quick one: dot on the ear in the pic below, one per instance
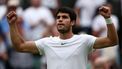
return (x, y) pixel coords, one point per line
(73, 23)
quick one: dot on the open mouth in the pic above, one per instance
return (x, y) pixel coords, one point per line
(60, 24)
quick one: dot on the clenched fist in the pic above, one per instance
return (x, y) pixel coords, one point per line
(105, 11)
(12, 17)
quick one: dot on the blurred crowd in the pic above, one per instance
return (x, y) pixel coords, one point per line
(36, 19)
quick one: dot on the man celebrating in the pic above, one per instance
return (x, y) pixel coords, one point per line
(67, 51)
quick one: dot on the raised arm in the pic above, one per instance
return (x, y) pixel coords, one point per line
(112, 38)
(18, 42)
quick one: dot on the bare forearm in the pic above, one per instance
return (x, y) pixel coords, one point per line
(15, 37)
(18, 42)
(112, 38)
(109, 41)
(112, 33)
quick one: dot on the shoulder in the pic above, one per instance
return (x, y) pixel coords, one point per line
(44, 39)
(90, 39)
(28, 9)
(44, 9)
(47, 39)
(86, 36)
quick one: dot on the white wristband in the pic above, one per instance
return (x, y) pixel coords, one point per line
(108, 21)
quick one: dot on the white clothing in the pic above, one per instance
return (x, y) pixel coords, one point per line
(66, 54)
(3, 10)
(53, 3)
(87, 10)
(99, 23)
(38, 18)
(34, 15)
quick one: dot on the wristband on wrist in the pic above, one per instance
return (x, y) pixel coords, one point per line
(108, 21)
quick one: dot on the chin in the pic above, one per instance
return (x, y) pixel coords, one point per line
(61, 30)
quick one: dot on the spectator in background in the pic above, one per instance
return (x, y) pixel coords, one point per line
(15, 61)
(24, 4)
(54, 4)
(2, 8)
(3, 51)
(21, 60)
(11, 5)
(99, 29)
(105, 63)
(39, 19)
(92, 58)
(86, 10)
(5, 29)
(67, 46)
(101, 63)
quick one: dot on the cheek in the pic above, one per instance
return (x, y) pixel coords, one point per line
(68, 23)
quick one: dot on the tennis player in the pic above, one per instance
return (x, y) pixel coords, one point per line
(67, 51)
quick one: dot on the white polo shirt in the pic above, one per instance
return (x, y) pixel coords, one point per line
(66, 54)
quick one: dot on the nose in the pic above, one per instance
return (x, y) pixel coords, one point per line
(60, 19)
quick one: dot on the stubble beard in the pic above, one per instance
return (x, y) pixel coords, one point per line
(63, 30)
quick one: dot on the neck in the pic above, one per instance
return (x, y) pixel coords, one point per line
(66, 35)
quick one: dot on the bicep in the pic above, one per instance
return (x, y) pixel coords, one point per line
(102, 42)
(29, 47)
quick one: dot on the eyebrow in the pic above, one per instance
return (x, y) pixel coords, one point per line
(64, 16)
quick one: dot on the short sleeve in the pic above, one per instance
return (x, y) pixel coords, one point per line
(40, 45)
(91, 42)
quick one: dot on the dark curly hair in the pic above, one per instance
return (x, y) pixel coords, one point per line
(68, 10)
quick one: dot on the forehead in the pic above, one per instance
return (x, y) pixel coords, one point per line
(62, 14)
